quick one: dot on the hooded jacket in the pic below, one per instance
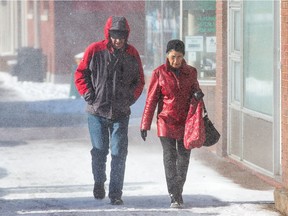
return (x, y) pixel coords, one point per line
(172, 93)
(110, 80)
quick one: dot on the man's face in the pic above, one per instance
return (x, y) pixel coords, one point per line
(175, 58)
(118, 43)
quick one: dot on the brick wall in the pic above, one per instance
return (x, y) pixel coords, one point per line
(281, 194)
(284, 89)
(48, 33)
(221, 76)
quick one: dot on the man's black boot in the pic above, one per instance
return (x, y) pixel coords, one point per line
(99, 191)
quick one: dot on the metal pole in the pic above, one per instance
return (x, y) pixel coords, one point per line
(36, 25)
(162, 29)
(181, 20)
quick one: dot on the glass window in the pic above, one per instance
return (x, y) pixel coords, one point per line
(199, 34)
(236, 81)
(258, 56)
(162, 25)
(237, 33)
(7, 26)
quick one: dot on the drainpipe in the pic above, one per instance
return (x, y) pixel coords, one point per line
(36, 25)
(162, 29)
(181, 20)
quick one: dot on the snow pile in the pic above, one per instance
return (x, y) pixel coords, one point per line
(41, 96)
(34, 91)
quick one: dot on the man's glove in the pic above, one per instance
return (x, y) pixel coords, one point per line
(143, 134)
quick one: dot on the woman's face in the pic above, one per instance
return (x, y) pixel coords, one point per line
(175, 58)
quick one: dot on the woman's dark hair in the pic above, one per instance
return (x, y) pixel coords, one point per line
(176, 45)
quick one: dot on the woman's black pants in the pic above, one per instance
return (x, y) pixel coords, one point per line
(176, 161)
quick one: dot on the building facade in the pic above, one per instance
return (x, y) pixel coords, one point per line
(243, 75)
(251, 89)
(62, 29)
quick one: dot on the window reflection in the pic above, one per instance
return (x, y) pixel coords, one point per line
(162, 25)
(198, 32)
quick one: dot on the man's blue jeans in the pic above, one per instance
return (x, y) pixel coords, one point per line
(106, 133)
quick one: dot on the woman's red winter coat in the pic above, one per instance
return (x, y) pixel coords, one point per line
(172, 94)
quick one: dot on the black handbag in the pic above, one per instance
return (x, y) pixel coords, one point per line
(212, 135)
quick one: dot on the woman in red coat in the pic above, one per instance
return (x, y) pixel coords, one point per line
(171, 88)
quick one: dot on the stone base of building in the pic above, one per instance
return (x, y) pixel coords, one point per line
(281, 200)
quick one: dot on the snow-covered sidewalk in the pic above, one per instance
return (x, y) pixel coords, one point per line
(53, 177)
(50, 174)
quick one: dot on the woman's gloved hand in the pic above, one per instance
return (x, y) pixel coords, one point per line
(143, 134)
(198, 95)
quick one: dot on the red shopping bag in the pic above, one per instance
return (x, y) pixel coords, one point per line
(194, 135)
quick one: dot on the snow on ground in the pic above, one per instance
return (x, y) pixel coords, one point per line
(50, 97)
(35, 91)
(28, 189)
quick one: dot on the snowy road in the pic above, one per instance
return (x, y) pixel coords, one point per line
(45, 167)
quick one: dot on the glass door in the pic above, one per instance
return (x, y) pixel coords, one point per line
(253, 111)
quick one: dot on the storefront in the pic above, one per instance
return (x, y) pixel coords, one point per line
(252, 95)
(253, 87)
(191, 21)
(162, 25)
(194, 23)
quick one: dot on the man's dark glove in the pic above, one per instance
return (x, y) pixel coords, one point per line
(143, 134)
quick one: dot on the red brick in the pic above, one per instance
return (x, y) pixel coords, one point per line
(284, 12)
(284, 5)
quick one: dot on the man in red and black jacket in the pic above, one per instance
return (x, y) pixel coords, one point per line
(110, 78)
